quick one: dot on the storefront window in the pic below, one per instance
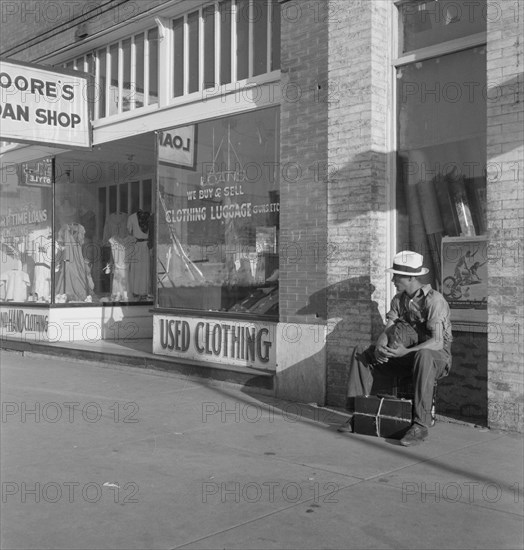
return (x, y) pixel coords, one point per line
(103, 221)
(442, 153)
(26, 232)
(218, 215)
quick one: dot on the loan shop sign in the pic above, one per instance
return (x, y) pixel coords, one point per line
(177, 147)
(218, 341)
(41, 106)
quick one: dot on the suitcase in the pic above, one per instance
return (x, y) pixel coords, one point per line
(382, 416)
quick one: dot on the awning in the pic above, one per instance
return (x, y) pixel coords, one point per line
(15, 153)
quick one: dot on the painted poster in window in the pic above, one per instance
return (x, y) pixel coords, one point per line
(464, 278)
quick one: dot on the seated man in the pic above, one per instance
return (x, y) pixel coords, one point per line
(416, 341)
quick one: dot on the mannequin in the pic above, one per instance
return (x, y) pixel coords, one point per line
(139, 259)
(16, 283)
(116, 235)
(73, 277)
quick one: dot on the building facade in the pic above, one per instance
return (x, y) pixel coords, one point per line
(255, 165)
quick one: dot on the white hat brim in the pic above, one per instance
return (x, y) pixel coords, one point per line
(423, 271)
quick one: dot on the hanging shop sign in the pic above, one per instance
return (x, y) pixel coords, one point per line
(178, 147)
(218, 341)
(37, 173)
(42, 106)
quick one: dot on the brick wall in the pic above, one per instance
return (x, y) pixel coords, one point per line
(505, 59)
(462, 394)
(357, 187)
(303, 157)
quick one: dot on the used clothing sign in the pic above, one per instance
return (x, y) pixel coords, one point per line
(42, 106)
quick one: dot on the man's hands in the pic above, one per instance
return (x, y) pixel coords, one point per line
(384, 353)
(380, 354)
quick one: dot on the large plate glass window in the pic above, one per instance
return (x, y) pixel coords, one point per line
(218, 215)
(103, 223)
(441, 115)
(26, 232)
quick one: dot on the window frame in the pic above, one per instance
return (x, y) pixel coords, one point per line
(443, 48)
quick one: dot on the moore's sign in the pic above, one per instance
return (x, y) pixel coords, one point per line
(42, 106)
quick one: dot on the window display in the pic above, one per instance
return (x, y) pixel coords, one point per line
(218, 223)
(442, 145)
(25, 232)
(102, 201)
(75, 252)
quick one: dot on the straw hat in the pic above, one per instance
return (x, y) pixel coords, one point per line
(408, 263)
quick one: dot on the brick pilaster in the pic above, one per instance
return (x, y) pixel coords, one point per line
(358, 182)
(505, 169)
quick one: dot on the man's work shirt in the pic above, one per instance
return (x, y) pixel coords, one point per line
(424, 312)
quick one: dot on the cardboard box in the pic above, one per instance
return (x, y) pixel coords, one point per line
(387, 417)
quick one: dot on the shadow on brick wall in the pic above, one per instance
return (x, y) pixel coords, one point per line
(351, 304)
(360, 305)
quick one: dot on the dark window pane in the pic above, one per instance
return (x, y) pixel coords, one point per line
(260, 20)
(112, 199)
(135, 195)
(152, 37)
(146, 195)
(242, 39)
(113, 95)
(178, 58)
(209, 46)
(101, 90)
(139, 70)
(101, 210)
(123, 193)
(127, 88)
(225, 42)
(193, 31)
(275, 36)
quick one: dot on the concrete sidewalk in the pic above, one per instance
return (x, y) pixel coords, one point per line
(99, 456)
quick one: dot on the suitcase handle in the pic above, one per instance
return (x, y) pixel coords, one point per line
(378, 416)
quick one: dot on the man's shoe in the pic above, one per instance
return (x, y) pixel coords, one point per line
(414, 436)
(347, 427)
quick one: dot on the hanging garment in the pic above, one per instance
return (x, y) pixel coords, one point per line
(73, 278)
(120, 251)
(16, 282)
(139, 256)
(115, 226)
(40, 247)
